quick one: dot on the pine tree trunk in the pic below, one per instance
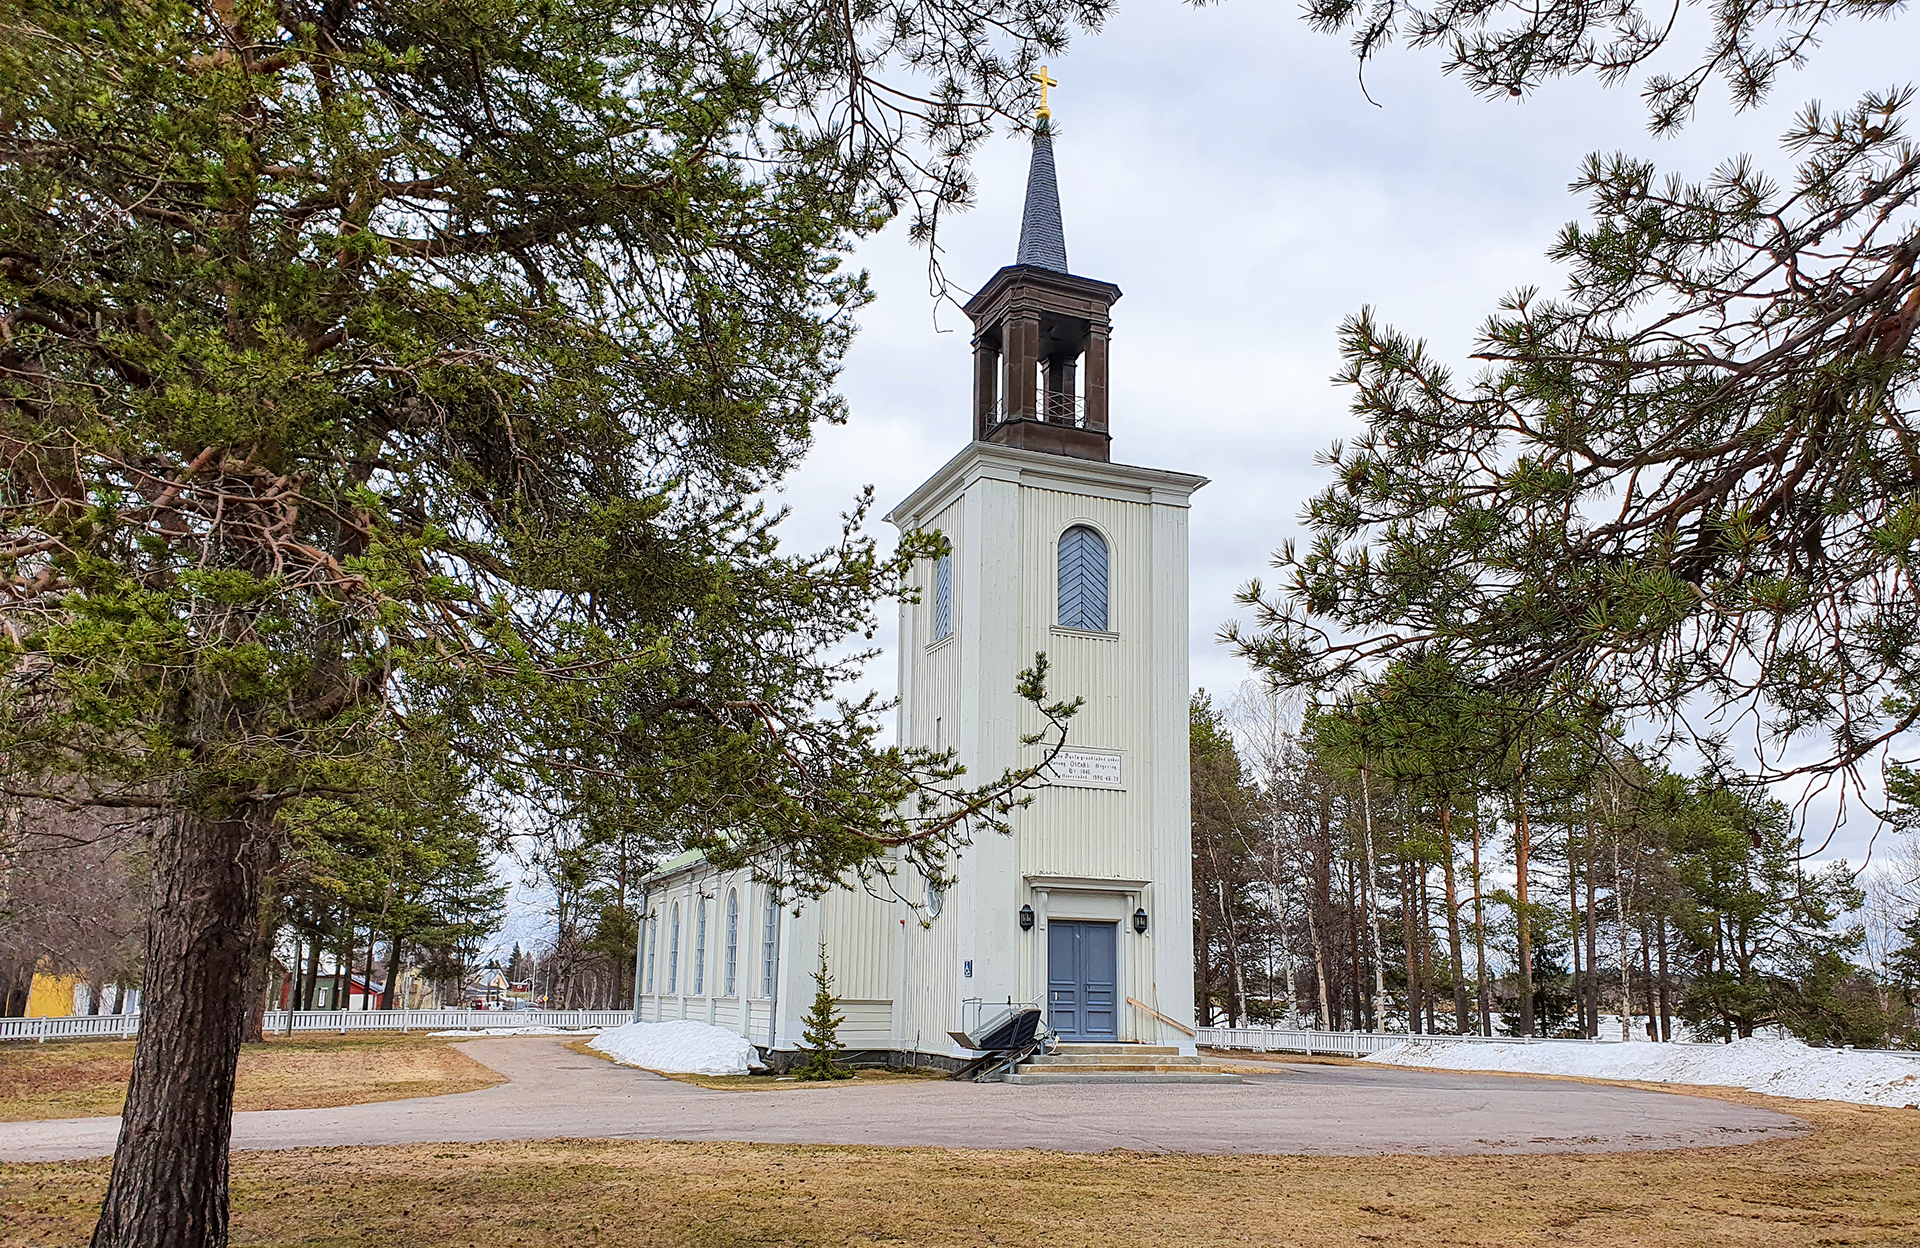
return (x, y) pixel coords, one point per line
(1202, 965)
(393, 973)
(297, 973)
(1316, 891)
(1406, 939)
(1353, 942)
(168, 1188)
(1480, 936)
(1646, 968)
(1666, 1015)
(1460, 1007)
(342, 970)
(1236, 983)
(1573, 932)
(260, 969)
(1428, 981)
(1626, 957)
(1373, 906)
(1521, 838)
(1319, 965)
(1593, 950)
(312, 984)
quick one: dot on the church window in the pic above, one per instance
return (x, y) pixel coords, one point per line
(769, 944)
(673, 953)
(943, 597)
(733, 943)
(700, 950)
(1083, 579)
(653, 950)
(936, 898)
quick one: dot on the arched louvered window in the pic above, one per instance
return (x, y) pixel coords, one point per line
(943, 597)
(1083, 579)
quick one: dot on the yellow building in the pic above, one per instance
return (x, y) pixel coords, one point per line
(51, 995)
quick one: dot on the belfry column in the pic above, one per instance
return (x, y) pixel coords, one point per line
(1097, 377)
(986, 387)
(1020, 348)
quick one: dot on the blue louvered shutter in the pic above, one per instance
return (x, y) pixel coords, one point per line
(943, 597)
(1083, 579)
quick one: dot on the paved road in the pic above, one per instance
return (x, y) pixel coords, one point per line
(1352, 1110)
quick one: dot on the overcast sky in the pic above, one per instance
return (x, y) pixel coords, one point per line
(1222, 167)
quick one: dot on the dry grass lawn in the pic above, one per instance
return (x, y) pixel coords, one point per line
(1855, 1180)
(79, 1079)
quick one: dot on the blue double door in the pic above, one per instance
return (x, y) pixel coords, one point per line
(1083, 980)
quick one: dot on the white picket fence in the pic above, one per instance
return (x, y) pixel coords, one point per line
(1362, 1043)
(79, 1026)
(281, 1022)
(1339, 1043)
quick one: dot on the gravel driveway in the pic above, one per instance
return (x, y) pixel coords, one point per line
(1297, 1108)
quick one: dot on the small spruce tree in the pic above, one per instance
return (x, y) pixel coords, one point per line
(822, 1031)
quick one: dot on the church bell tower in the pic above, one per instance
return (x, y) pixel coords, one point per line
(1040, 335)
(1087, 907)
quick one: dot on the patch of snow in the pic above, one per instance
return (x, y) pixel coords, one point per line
(1775, 1067)
(519, 1031)
(680, 1046)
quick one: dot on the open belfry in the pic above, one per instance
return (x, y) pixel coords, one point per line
(1085, 910)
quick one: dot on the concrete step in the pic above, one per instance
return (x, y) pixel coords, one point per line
(1137, 1078)
(1051, 1069)
(1129, 1049)
(1123, 1059)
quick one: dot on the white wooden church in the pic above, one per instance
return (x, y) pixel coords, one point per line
(1087, 906)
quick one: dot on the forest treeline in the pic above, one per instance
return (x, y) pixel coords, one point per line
(1417, 860)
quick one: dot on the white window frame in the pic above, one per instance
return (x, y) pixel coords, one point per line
(770, 945)
(943, 597)
(673, 954)
(1080, 624)
(730, 981)
(700, 949)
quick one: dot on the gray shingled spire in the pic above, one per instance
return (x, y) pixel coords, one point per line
(1043, 240)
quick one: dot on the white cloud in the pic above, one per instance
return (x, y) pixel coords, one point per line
(1222, 166)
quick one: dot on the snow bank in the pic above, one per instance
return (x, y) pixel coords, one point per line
(680, 1046)
(1775, 1067)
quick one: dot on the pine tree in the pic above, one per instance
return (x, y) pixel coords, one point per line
(1686, 482)
(375, 373)
(822, 1030)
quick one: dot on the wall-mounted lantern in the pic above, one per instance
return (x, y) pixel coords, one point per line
(1140, 921)
(1026, 918)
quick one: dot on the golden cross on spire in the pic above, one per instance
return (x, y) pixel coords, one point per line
(1045, 81)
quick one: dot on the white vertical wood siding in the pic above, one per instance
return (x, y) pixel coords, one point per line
(859, 947)
(1095, 832)
(932, 984)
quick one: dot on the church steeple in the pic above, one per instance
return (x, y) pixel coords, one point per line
(1040, 333)
(1043, 239)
